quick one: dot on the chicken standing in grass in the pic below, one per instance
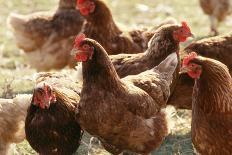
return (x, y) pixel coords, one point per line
(217, 10)
(51, 127)
(212, 105)
(125, 117)
(12, 117)
(45, 36)
(101, 27)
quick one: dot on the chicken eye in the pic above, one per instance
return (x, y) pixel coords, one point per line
(85, 47)
(191, 65)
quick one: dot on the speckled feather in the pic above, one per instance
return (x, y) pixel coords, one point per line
(158, 81)
(160, 46)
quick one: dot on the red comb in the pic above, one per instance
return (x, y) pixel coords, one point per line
(185, 25)
(80, 1)
(79, 39)
(46, 90)
(189, 57)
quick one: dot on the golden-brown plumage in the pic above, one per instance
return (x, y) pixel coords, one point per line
(12, 116)
(218, 48)
(45, 36)
(52, 129)
(125, 117)
(160, 46)
(101, 27)
(155, 81)
(217, 11)
(212, 107)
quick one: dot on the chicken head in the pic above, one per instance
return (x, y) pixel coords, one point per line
(182, 33)
(86, 7)
(43, 96)
(82, 50)
(194, 70)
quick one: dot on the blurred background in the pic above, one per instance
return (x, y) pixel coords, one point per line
(14, 69)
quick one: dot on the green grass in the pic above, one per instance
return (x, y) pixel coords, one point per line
(14, 70)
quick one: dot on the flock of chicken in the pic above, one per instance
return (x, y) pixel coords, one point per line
(122, 99)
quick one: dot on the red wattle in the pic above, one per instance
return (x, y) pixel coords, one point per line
(84, 11)
(81, 57)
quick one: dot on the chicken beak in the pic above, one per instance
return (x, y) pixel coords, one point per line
(184, 70)
(192, 35)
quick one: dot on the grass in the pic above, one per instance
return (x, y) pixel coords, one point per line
(16, 73)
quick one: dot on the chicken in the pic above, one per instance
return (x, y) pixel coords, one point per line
(217, 11)
(12, 117)
(165, 41)
(50, 126)
(100, 26)
(218, 48)
(45, 36)
(125, 117)
(212, 105)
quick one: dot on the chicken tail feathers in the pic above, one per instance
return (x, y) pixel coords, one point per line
(16, 21)
(169, 66)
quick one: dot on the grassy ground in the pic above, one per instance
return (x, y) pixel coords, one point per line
(15, 72)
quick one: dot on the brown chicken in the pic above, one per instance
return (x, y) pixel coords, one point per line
(12, 116)
(212, 105)
(217, 11)
(51, 127)
(125, 117)
(218, 48)
(101, 27)
(45, 36)
(165, 41)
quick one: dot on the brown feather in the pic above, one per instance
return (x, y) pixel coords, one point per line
(101, 27)
(218, 48)
(212, 108)
(55, 130)
(46, 37)
(160, 46)
(122, 115)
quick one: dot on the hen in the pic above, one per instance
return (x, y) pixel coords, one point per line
(125, 117)
(45, 36)
(51, 127)
(12, 116)
(218, 48)
(212, 105)
(217, 11)
(101, 27)
(165, 41)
